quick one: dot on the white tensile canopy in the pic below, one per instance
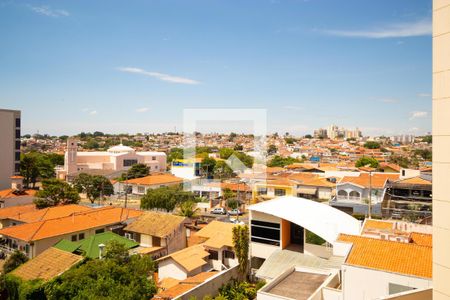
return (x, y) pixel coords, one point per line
(321, 219)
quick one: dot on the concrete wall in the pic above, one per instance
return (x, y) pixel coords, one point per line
(368, 284)
(7, 146)
(441, 149)
(211, 285)
(258, 249)
(15, 201)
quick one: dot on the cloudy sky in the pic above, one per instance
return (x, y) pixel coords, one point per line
(133, 66)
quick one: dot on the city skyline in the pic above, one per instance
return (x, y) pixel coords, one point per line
(71, 67)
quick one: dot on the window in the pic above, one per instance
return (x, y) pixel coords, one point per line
(262, 191)
(17, 145)
(100, 231)
(17, 167)
(17, 156)
(141, 189)
(214, 255)
(156, 241)
(74, 238)
(228, 254)
(280, 192)
(153, 157)
(398, 288)
(265, 232)
(129, 162)
(81, 236)
(17, 122)
(403, 172)
(17, 133)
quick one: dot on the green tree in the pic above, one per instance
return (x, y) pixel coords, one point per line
(367, 161)
(222, 170)
(166, 198)
(225, 153)
(56, 192)
(272, 149)
(232, 203)
(208, 165)
(29, 169)
(188, 209)
(91, 144)
(279, 161)
(372, 145)
(117, 276)
(137, 171)
(13, 261)
(247, 160)
(308, 136)
(94, 186)
(241, 247)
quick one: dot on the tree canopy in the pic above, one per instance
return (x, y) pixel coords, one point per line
(367, 161)
(35, 165)
(279, 161)
(94, 186)
(372, 145)
(136, 171)
(13, 261)
(166, 198)
(56, 192)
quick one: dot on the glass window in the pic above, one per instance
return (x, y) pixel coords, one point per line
(228, 254)
(100, 231)
(141, 189)
(17, 122)
(17, 133)
(74, 238)
(17, 145)
(153, 157)
(17, 167)
(17, 156)
(129, 162)
(280, 192)
(262, 191)
(266, 233)
(214, 255)
(81, 236)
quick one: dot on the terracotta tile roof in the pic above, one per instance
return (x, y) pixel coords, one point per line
(397, 257)
(219, 234)
(179, 287)
(378, 179)
(50, 213)
(189, 258)
(415, 180)
(392, 166)
(9, 212)
(156, 224)
(156, 179)
(12, 193)
(47, 265)
(76, 222)
(422, 239)
(377, 224)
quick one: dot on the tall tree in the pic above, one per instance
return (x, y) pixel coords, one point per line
(208, 165)
(188, 209)
(14, 260)
(94, 186)
(56, 192)
(137, 171)
(222, 170)
(367, 161)
(166, 198)
(241, 247)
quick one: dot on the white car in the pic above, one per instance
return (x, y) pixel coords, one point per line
(219, 211)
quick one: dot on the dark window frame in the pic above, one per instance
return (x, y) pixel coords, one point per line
(213, 254)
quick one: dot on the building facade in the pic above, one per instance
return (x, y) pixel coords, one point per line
(9, 146)
(441, 149)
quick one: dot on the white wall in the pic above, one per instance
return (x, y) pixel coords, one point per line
(364, 284)
(170, 268)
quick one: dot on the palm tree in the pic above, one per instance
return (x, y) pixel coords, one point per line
(188, 209)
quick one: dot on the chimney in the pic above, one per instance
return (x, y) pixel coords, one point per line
(17, 183)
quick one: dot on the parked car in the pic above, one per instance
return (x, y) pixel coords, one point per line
(235, 212)
(219, 211)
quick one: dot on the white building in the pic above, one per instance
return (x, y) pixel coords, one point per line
(116, 158)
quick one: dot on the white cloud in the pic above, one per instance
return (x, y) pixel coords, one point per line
(160, 76)
(418, 114)
(424, 95)
(142, 109)
(93, 112)
(396, 30)
(49, 12)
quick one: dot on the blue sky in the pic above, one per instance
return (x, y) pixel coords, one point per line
(133, 66)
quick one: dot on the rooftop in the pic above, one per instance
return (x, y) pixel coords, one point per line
(47, 265)
(298, 285)
(11, 193)
(156, 224)
(156, 179)
(189, 258)
(378, 180)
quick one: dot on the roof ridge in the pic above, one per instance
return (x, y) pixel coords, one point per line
(381, 240)
(46, 211)
(37, 230)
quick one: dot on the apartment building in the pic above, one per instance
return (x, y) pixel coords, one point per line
(9, 146)
(441, 149)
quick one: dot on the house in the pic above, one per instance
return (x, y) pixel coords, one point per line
(29, 213)
(139, 186)
(158, 233)
(116, 158)
(353, 192)
(47, 265)
(314, 187)
(271, 188)
(91, 247)
(35, 237)
(17, 194)
(187, 169)
(215, 252)
(409, 197)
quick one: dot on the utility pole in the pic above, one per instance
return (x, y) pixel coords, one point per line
(370, 195)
